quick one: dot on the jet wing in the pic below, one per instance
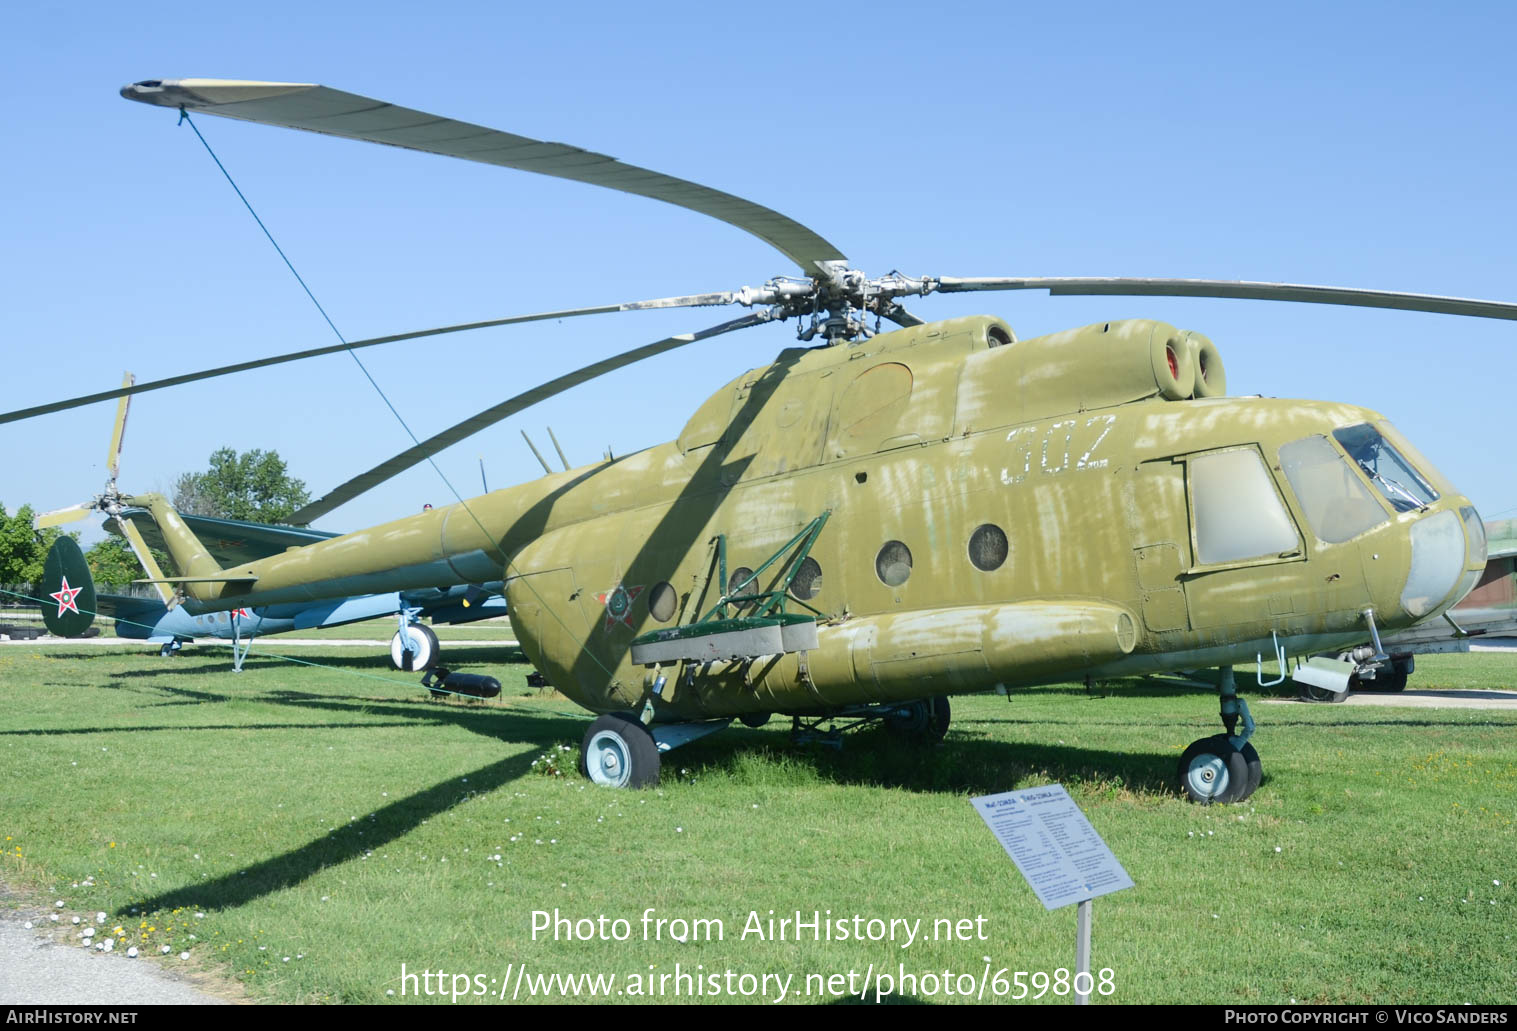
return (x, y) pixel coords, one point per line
(144, 611)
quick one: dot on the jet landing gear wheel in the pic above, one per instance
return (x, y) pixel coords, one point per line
(421, 644)
(1212, 770)
(618, 752)
(923, 722)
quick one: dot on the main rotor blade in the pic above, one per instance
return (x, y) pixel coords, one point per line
(295, 105)
(687, 301)
(409, 457)
(113, 457)
(1242, 290)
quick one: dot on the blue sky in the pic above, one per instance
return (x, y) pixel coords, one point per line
(1358, 145)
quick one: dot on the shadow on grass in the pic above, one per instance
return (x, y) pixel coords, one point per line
(203, 662)
(202, 726)
(382, 826)
(515, 724)
(874, 758)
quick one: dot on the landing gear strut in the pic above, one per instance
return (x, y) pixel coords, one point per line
(1224, 767)
(922, 722)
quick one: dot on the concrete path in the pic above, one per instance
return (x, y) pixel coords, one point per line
(1417, 699)
(1437, 699)
(37, 969)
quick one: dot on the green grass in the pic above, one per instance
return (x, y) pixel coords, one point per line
(336, 816)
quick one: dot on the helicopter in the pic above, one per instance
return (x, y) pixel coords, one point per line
(877, 521)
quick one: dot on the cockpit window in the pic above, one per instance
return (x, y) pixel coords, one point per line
(1392, 475)
(1337, 504)
(1238, 514)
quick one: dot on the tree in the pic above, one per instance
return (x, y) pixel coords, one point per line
(112, 563)
(22, 549)
(253, 486)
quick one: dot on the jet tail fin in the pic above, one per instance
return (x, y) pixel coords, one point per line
(67, 583)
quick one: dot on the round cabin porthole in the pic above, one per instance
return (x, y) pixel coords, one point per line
(736, 580)
(808, 580)
(988, 547)
(661, 601)
(893, 564)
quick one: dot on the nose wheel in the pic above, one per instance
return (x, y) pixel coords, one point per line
(1214, 770)
(1222, 768)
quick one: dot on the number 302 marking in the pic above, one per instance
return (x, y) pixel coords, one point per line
(1055, 447)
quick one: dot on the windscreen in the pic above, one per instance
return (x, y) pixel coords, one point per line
(1390, 472)
(1337, 504)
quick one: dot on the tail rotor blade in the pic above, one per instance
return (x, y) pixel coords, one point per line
(113, 457)
(145, 559)
(62, 516)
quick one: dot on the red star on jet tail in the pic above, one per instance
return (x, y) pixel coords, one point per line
(65, 597)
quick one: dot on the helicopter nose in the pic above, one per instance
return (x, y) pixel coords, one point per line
(1448, 551)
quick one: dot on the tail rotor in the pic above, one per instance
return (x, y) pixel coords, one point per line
(110, 503)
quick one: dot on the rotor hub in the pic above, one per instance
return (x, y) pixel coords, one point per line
(836, 303)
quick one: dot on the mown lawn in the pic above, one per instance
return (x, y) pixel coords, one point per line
(336, 816)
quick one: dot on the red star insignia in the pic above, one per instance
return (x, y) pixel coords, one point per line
(618, 602)
(65, 597)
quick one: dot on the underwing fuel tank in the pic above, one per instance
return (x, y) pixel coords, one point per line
(934, 651)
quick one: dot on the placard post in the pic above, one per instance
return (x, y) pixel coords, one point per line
(1082, 951)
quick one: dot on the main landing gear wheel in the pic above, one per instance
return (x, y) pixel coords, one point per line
(1212, 770)
(923, 722)
(417, 650)
(618, 752)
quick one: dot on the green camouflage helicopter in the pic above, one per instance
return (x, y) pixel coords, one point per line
(869, 525)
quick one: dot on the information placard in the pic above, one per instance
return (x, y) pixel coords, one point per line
(1053, 844)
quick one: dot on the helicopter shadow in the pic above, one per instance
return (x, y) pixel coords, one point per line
(380, 827)
(874, 758)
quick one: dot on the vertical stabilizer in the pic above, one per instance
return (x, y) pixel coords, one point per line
(68, 606)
